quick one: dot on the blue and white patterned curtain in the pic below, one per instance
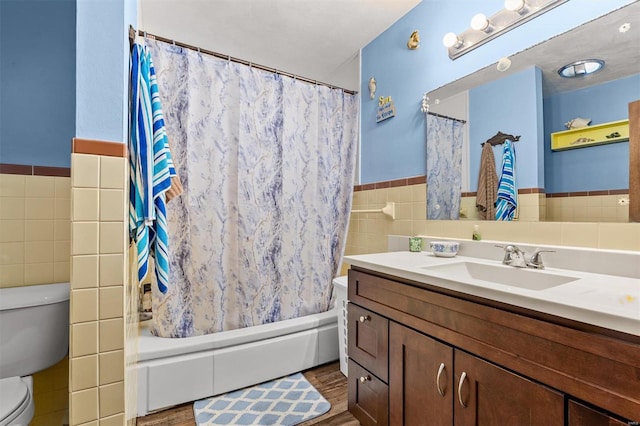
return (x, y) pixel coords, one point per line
(444, 167)
(267, 164)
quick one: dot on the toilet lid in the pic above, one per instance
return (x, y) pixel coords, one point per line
(13, 393)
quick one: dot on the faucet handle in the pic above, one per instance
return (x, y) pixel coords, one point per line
(536, 259)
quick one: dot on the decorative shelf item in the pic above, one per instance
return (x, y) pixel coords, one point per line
(599, 134)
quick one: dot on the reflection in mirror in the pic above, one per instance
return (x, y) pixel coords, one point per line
(587, 178)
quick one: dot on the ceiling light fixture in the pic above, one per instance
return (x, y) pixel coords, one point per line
(483, 29)
(581, 68)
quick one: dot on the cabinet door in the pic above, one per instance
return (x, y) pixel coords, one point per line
(580, 415)
(369, 340)
(368, 397)
(488, 395)
(420, 379)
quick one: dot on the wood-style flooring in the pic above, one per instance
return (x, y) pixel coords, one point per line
(327, 379)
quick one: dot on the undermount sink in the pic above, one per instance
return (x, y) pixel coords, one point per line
(504, 275)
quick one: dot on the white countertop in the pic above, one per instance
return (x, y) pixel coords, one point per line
(607, 301)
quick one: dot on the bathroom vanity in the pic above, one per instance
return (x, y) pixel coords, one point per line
(431, 346)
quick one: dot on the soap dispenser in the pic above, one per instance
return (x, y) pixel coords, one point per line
(476, 233)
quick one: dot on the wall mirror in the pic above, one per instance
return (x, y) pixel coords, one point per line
(589, 183)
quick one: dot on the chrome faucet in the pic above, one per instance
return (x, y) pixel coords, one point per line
(513, 256)
(516, 257)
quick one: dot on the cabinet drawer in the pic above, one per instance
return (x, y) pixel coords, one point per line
(580, 415)
(368, 396)
(369, 341)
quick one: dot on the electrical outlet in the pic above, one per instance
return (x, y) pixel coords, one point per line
(623, 201)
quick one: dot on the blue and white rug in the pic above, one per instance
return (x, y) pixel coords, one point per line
(287, 401)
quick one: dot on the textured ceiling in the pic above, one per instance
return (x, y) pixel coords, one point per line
(317, 39)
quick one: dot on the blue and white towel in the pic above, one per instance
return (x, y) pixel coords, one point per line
(507, 198)
(151, 169)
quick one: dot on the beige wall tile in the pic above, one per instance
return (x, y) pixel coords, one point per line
(112, 205)
(111, 367)
(61, 251)
(621, 236)
(111, 399)
(39, 230)
(84, 406)
(84, 305)
(85, 171)
(62, 187)
(111, 269)
(580, 234)
(11, 230)
(61, 272)
(400, 194)
(12, 185)
(85, 204)
(62, 230)
(84, 339)
(62, 208)
(84, 373)
(38, 273)
(404, 211)
(112, 237)
(11, 253)
(419, 192)
(38, 252)
(11, 275)
(12, 208)
(93, 423)
(112, 172)
(111, 302)
(84, 271)
(419, 210)
(39, 186)
(117, 420)
(84, 238)
(377, 196)
(39, 208)
(111, 335)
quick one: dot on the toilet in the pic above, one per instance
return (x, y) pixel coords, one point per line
(34, 335)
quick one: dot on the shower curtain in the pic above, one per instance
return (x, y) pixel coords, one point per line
(444, 167)
(267, 163)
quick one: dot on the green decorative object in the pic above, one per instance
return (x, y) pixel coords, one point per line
(415, 244)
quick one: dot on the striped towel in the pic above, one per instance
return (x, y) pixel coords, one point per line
(507, 199)
(151, 169)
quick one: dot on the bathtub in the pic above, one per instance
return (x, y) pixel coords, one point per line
(174, 371)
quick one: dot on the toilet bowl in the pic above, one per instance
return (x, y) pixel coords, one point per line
(34, 335)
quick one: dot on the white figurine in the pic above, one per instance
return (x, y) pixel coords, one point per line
(372, 88)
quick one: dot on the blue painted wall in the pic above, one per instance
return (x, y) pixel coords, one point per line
(395, 148)
(582, 169)
(37, 81)
(102, 68)
(512, 105)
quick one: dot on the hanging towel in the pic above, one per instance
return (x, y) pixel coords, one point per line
(507, 201)
(151, 169)
(487, 184)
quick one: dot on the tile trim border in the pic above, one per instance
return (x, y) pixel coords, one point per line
(588, 193)
(97, 147)
(33, 170)
(415, 180)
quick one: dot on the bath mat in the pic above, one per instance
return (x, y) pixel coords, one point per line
(287, 401)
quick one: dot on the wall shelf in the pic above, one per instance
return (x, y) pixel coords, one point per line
(590, 136)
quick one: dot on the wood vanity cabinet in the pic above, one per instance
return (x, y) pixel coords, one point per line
(455, 359)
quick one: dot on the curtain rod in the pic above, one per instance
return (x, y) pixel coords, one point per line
(133, 33)
(446, 116)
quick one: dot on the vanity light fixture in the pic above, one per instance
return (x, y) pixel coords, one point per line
(581, 68)
(483, 29)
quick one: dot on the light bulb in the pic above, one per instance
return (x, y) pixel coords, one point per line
(451, 40)
(514, 5)
(479, 22)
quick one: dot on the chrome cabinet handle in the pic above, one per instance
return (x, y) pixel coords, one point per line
(364, 318)
(364, 379)
(440, 370)
(462, 379)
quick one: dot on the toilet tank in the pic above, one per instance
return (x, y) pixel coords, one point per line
(34, 328)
